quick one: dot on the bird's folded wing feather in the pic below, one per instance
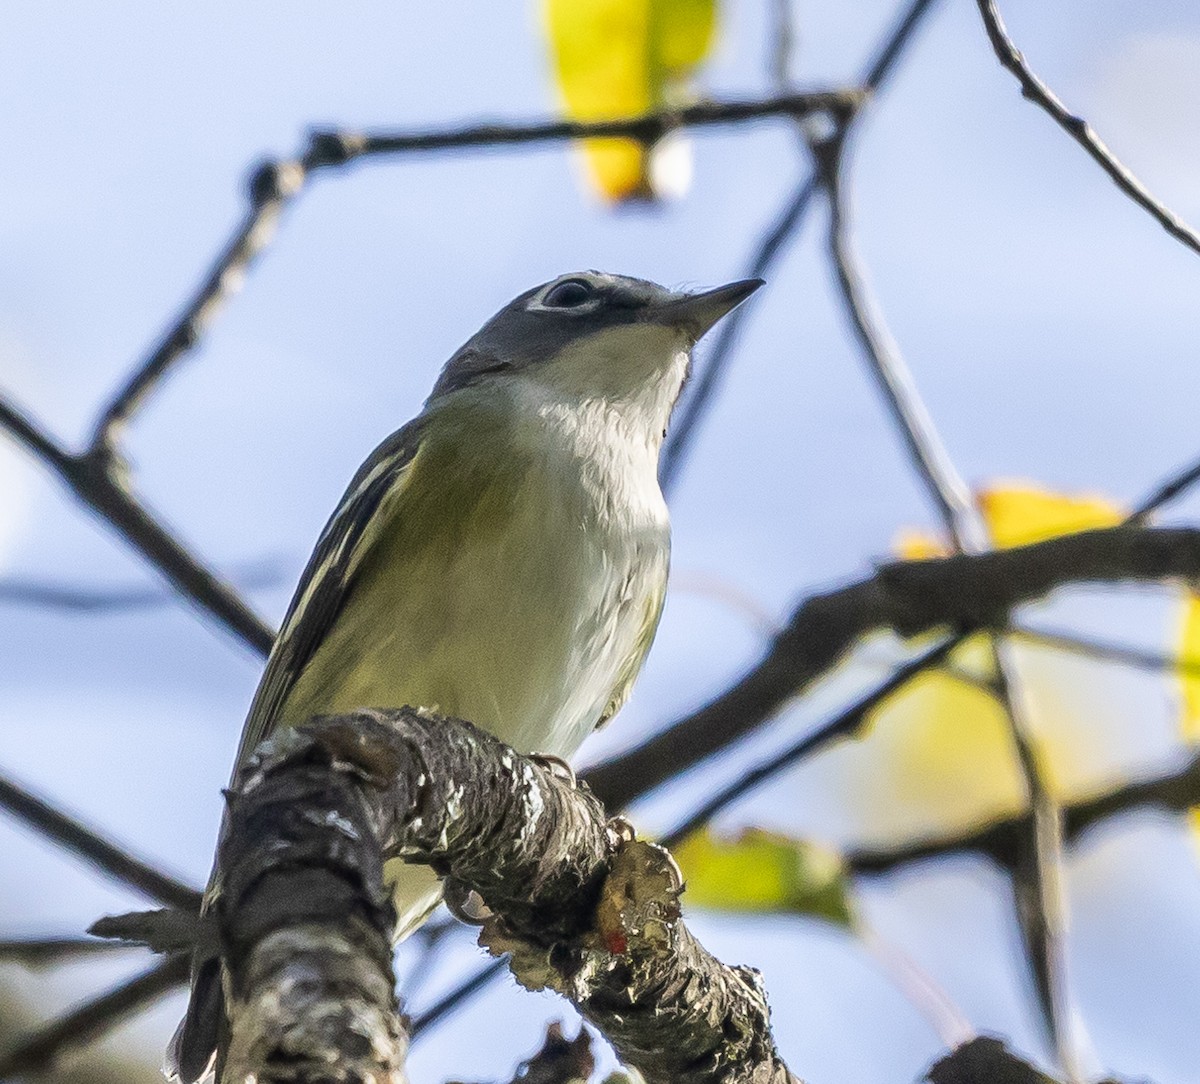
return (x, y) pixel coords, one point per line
(324, 588)
(329, 578)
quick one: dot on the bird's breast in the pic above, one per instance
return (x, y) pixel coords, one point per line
(516, 570)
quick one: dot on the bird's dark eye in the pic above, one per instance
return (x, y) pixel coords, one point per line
(568, 294)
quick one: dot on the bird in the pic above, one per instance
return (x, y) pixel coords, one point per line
(502, 558)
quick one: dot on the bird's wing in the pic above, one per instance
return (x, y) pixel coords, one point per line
(324, 588)
(329, 578)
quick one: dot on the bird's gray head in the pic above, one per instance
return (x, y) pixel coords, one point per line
(593, 336)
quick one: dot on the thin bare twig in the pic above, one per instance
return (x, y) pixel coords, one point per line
(26, 431)
(844, 725)
(1037, 877)
(1036, 881)
(80, 598)
(428, 940)
(223, 280)
(782, 45)
(94, 849)
(337, 148)
(695, 406)
(453, 999)
(1175, 793)
(99, 482)
(90, 1020)
(1153, 661)
(275, 184)
(1078, 129)
(946, 489)
(37, 952)
(1166, 492)
(918, 986)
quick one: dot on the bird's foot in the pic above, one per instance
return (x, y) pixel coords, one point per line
(620, 831)
(556, 766)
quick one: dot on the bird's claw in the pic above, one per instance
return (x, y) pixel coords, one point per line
(556, 766)
(620, 831)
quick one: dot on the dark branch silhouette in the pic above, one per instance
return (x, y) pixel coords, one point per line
(1174, 486)
(785, 225)
(93, 849)
(92, 1019)
(844, 725)
(1174, 793)
(90, 599)
(1155, 662)
(98, 480)
(1037, 880)
(35, 952)
(970, 591)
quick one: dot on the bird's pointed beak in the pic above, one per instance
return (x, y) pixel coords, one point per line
(697, 313)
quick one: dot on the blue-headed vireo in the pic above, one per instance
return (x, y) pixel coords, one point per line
(503, 557)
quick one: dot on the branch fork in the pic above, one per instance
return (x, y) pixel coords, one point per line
(304, 918)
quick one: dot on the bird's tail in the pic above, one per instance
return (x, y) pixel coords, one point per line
(192, 1052)
(173, 931)
(191, 1055)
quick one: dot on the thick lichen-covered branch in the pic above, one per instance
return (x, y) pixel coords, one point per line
(638, 975)
(303, 918)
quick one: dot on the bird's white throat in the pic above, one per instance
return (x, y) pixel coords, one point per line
(611, 393)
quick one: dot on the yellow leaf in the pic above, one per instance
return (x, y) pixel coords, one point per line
(1189, 651)
(621, 58)
(940, 751)
(1189, 680)
(764, 872)
(916, 546)
(683, 32)
(1019, 515)
(938, 759)
(946, 744)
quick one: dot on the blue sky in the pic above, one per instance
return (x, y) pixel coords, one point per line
(1051, 326)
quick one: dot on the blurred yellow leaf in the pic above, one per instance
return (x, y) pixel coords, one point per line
(621, 58)
(764, 872)
(913, 545)
(1189, 649)
(1189, 680)
(1020, 515)
(942, 750)
(946, 743)
(683, 33)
